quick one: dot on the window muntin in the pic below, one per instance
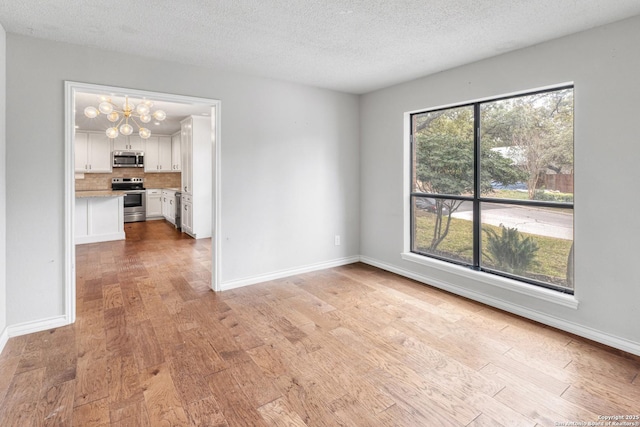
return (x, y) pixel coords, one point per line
(483, 174)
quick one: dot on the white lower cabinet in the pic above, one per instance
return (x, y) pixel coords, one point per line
(169, 205)
(154, 203)
(187, 214)
(99, 219)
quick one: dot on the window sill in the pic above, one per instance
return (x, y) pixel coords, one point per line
(501, 282)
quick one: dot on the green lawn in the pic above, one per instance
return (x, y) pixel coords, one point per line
(551, 257)
(508, 194)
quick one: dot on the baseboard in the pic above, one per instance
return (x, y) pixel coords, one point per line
(37, 326)
(571, 327)
(81, 240)
(233, 284)
(4, 337)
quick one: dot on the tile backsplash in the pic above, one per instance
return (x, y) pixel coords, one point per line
(102, 181)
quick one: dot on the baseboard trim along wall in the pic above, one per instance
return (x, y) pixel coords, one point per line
(37, 326)
(233, 284)
(4, 337)
(574, 328)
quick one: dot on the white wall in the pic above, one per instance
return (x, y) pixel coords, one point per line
(604, 64)
(3, 195)
(290, 166)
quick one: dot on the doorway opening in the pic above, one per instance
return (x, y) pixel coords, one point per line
(177, 108)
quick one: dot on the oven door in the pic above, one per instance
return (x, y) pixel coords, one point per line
(135, 206)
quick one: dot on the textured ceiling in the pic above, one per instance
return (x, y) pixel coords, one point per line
(348, 45)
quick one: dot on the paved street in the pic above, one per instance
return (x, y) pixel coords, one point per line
(544, 222)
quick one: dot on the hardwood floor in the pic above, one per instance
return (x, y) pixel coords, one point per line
(348, 346)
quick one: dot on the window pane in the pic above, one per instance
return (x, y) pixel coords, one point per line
(443, 151)
(527, 147)
(438, 230)
(530, 242)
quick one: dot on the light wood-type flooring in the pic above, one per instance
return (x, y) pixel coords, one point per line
(348, 346)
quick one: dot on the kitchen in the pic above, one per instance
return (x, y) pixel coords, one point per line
(125, 172)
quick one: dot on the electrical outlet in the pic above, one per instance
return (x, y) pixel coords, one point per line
(337, 240)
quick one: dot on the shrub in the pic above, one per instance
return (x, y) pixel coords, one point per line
(509, 251)
(553, 197)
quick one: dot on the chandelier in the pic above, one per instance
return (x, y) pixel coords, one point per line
(121, 117)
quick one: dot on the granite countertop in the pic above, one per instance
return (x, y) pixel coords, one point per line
(98, 193)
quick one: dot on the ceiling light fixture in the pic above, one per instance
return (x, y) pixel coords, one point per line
(128, 112)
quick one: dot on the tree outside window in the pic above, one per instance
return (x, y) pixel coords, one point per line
(492, 186)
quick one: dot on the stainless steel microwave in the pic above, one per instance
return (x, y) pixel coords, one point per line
(128, 159)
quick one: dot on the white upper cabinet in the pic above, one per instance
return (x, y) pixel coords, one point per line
(99, 153)
(121, 143)
(164, 153)
(92, 153)
(157, 154)
(176, 157)
(151, 154)
(136, 143)
(128, 143)
(81, 152)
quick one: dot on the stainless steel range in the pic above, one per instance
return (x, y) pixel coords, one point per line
(135, 208)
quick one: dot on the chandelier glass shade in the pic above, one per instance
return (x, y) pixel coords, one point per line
(122, 116)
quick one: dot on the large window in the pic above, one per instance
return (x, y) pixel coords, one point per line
(492, 186)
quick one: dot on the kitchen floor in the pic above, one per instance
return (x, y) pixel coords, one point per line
(153, 230)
